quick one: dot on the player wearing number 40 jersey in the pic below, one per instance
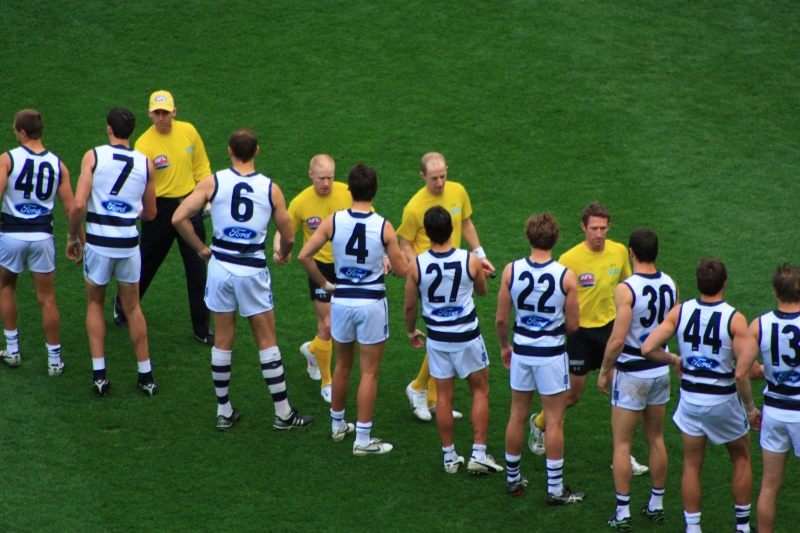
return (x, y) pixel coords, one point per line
(711, 334)
(242, 204)
(115, 187)
(30, 178)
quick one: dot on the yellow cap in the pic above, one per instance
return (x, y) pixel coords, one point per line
(161, 100)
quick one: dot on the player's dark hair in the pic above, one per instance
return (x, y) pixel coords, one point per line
(362, 181)
(438, 224)
(122, 122)
(711, 276)
(31, 122)
(644, 243)
(786, 282)
(542, 231)
(243, 143)
(594, 209)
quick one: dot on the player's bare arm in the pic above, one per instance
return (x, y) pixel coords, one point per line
(5, 168)
(408, 249)
(479, 286)
(149, 209)
(470, 235)
(652, 346)
(623, 300)
(78, 209)
(572, 307)
(189, 208)
(746, 350)
(284, 224)
(502, 318)
(315, 243)
(415, 336)
(397, 259)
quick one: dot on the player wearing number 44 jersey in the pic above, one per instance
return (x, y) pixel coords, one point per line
(242, 204)
(30, 178)
(711, 334)
(116, 187)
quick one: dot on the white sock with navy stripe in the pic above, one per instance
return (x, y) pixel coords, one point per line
(12, 340)
(53, 353)
(742, 517)
(221, 372)
(450, 453)
(656, 499)
(512, 467)
(363, 430)
(623, 506)
(692, 522)
(337, 419)
(555, 481)
(272, 370)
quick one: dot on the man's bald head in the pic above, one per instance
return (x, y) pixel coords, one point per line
(428, 158)
(321, 171)
(322, 161)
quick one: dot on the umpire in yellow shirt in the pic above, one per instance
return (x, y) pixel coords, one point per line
(180, 162)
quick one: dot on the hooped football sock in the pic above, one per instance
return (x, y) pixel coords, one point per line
(450, 453)
(742, 517)
(53, 353)
(98, 368)
(479, 452)
(656, 499)
(323, 351)
(221, 373)
(12, 340)
(272, 371)
(337, 419)
(555, 481)
(512, 467)
(363, 430)
(692, 522)
(539, 422)
(623, 506)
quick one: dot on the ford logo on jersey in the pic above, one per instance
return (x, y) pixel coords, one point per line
(448, 312)
(703, 362)
(313, 222)
(586, 280)
(115, 206)
(643, 338)
(239, 233)
(161, 162)
(31, 209)
(535, 321)
(354, 273)
(791, 377)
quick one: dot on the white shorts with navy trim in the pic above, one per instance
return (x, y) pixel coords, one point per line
(225, 291)
(721, 423)
(367, 324)
(98, 268)
(445, 365)
(38, 256)
(778, 436)
(549, 379)
(634, 393)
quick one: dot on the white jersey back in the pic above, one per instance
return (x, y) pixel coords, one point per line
(30, 194)
(445, 288)
(241, 208)
(537, 291)
(780, 351)
(653, 296)
(118, 181)
(358, 247)
(706, 346)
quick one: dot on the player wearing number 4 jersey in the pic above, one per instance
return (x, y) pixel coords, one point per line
(776, 336)
(116, 187)
(30, 178)
(711, 334)
(242, 204)
(359, 311)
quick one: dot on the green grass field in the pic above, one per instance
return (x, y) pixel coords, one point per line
(678, 115)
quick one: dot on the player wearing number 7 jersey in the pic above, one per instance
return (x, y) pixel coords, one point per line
(115, 188)
(711, 334)
(30, 178)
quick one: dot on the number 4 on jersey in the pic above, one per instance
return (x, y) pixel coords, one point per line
(357, 245)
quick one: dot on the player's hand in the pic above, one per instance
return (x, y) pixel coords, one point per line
(387, 266)
(278, 260)
(755, 419)
(757, 371)
(205, 254)
(417, 339)
(505, 354)
(602, 382)
(75, 251)
(488, 267)
(676, 364)
(206, 210)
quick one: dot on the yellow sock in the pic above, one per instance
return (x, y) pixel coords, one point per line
(432, 396)
(421, 383)
(323, 351)
(539, 422)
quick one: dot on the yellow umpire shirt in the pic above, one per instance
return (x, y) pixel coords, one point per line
(308, 209)
(598, 274)
(179, 157)
(454, 198)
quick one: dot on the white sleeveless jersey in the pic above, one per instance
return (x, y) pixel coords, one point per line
(118, 182)
(30, 194)
(241, 208)
(653, 296)
(780, 351)
(537, 291)
(358, 248)
(445, 288)
(706, 346)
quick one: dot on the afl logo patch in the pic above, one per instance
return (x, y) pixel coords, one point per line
(161, 98)
(313, 222)
(586, 280)
(161, 162)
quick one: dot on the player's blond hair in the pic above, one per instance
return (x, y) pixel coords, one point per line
(321, 160)
(430, 156)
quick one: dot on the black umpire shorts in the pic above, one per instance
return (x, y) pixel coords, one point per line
(586, 348)
(317, 293)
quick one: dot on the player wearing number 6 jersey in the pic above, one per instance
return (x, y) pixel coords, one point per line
(776, 336)
(544, 295)
(711, 334)
(359, 311)
(242, 204)
(640, 388)
(115, 187)
(30, 178)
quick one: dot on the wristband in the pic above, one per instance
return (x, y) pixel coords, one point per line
(479, 252)
(329, 287)
(417, 333)
(748, 406)
(72, 239)
(385, 255)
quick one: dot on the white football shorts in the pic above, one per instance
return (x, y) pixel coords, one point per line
(98, 268)
(721, 423)
(38, 256)
(225, 291)
(445, 365)
(634, 393)
(367, 324)
(778, 436)
(549, 378)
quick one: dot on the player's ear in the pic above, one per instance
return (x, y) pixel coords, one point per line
(109, 130)
(174, 111)
(310, 174)
(258, 149)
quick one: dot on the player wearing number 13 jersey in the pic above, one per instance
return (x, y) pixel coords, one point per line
(710, 334)
(30, 178)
